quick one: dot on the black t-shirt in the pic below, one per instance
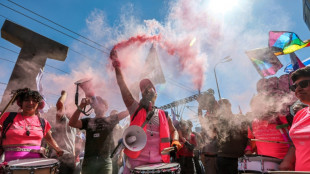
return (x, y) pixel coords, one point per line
(99, 138)
(232, 137)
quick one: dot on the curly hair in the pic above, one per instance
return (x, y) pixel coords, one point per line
(26, 93)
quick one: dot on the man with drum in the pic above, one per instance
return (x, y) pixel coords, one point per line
(267, 126)
(159, 129)
(269, 129)
(298, 156)
(231, 136)
(185, 155)
(209, 124)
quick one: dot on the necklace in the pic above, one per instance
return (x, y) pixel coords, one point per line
(27, 126)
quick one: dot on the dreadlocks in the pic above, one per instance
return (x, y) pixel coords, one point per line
(26, 93)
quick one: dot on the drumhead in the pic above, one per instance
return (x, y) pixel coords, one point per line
(288, 172)
(157, 166)
(33, 162)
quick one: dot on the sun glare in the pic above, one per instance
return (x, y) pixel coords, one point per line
(222, 6)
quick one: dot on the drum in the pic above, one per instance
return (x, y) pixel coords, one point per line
(32, 166)
(258, 164)
(288, 172)
(163, 168)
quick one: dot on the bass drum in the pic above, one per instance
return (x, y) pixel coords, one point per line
(162, 168)
(32, 166)
(258, 164)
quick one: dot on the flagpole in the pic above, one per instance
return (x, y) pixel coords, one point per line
(225, 59)
(217, 85)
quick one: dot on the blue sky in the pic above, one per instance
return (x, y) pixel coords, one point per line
(219, 32)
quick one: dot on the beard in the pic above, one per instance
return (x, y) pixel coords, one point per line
(146, 99)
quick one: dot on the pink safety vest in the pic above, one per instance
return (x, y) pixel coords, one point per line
(164, 133)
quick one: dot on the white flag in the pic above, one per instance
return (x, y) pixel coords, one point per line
(40, 90)
(152, 68)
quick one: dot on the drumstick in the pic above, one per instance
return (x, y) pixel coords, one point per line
(268, 141)
(167, 150)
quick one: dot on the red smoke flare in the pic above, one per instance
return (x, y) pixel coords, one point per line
(187, 59)
(140, 39)
(187, 56)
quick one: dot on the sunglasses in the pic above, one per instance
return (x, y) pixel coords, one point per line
(302, 84)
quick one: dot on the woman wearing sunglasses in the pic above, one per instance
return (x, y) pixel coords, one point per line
(298, 156)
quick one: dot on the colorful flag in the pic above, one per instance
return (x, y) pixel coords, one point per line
(265, 62)
(296, 62)
(174, 119)
(289, 68)
(284, 42)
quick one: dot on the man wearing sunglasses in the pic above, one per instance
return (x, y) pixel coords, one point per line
(298, 156)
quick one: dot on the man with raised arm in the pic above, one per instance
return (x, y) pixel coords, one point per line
(160, 130)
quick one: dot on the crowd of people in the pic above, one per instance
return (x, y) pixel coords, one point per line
(277, 127)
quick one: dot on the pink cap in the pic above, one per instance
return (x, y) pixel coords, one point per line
(145, 83)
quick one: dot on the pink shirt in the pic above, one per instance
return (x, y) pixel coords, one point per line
(263, 130)
(150, 154)
(300, 135)
(16, 134)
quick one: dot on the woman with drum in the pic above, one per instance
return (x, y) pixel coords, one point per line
(159, 128)
(22, 132)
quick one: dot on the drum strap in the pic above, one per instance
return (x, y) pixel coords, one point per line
(7, 123)
(18, 149)
(149, 116)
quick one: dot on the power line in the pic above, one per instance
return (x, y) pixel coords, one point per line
(69, 50)
(57, 69)
(53, 28)
(85, 56)
(175, 83)
(181, 86)
(58, 25)
(7, 60)
(9, 49)
(15, 62)
(191, 110)
(46, 65)
(47, 92)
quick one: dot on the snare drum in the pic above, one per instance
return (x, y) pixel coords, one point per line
(33, 166)
(258, 163)
(163, 168)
